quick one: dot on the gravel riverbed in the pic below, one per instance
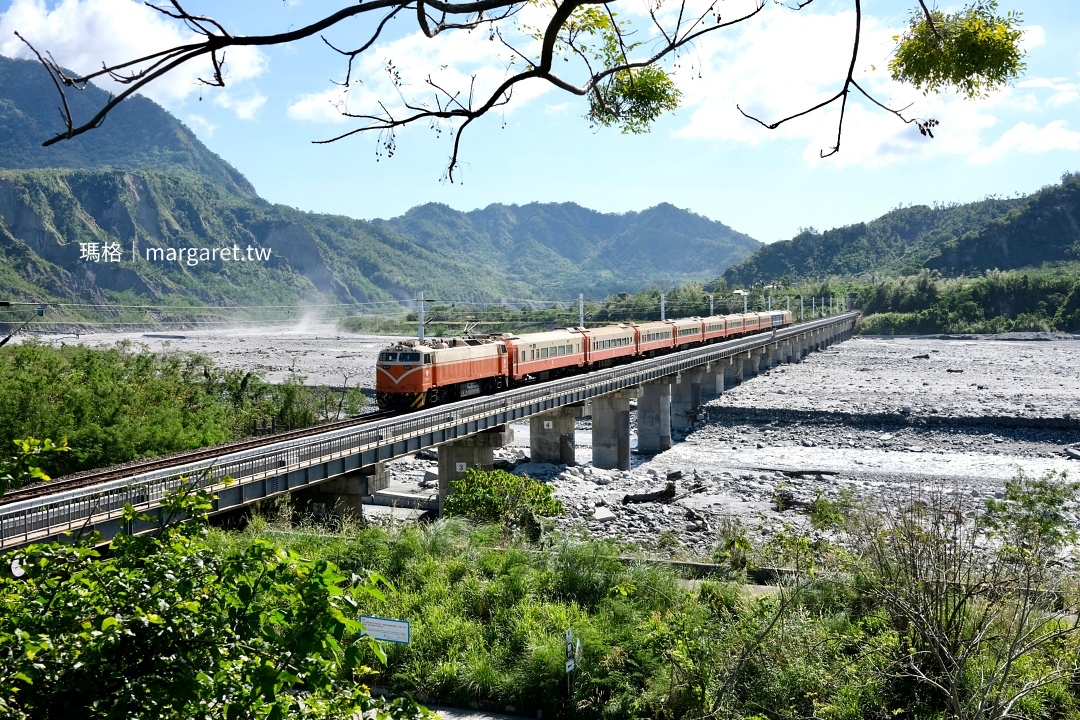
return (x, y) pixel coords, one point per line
(874, 416)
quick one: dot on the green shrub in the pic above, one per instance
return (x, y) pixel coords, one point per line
(513, 501)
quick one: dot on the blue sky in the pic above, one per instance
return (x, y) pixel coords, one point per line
(704, 157)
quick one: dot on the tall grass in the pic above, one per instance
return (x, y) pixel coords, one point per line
(488, 625)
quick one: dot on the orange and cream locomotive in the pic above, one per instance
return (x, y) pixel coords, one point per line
(414, 375)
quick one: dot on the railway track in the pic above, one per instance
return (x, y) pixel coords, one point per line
(95, 477)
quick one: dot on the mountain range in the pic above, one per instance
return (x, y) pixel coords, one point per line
(954, 240)
(144, 182)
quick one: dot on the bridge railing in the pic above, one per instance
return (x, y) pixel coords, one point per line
(48, 516)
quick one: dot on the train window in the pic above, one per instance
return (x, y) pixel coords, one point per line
(409, 357)
(388, 357)
(543, 353)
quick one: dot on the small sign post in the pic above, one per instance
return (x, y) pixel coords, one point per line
(395, 631)
(569, 651)
(572, 655)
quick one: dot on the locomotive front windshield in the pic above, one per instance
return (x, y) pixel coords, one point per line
(402, 357)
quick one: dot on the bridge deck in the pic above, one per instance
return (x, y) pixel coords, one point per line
(282, 466)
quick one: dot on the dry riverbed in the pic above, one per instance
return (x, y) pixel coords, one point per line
(874, 416)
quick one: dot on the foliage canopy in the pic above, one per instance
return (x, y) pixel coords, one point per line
(973, 51)
(163, 627)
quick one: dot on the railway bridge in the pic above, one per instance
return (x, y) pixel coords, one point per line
(345, 461)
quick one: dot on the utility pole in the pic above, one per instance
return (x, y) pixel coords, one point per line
(801, 318)
(770, 303)
(745, 301)
(420, 315)
(663, 307)
(581, 309)
(40, 312)
(710, 304)
(789, 303)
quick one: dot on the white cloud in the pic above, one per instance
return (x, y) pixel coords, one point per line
(201, 126)
(1062, 91)
(322, 107)
(81, 34)
(558, 109)
(783, 62)
(1027, 138)
(1034, 37)
(244, 109)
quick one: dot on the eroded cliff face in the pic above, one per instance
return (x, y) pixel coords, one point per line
(50, 219)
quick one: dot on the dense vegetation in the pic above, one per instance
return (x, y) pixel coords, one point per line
(940, 608)
(954, 240)
(121, 404)
(164, 627)
(996, 302)
(854, 633)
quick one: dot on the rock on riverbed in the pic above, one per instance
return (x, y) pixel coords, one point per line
(864, 418)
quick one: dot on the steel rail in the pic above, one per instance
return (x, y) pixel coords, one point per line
(137, 467)
(275, 464)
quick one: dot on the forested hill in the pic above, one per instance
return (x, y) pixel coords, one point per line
(1002, 234)
(138, 134)
(900, 241)
(1043, 228)
(567, 248)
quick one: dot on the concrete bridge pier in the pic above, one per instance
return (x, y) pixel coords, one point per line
(762, 359)
(685, 399)
(611, 429)
(345, 494)
(733, 372)
(773, 355)
(712, 381)
(749, 364)
(654, 417)
(475, 451)
(551, 435)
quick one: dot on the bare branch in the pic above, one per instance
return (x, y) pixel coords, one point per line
(561, 37)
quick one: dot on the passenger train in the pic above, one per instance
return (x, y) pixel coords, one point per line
(414, 374)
